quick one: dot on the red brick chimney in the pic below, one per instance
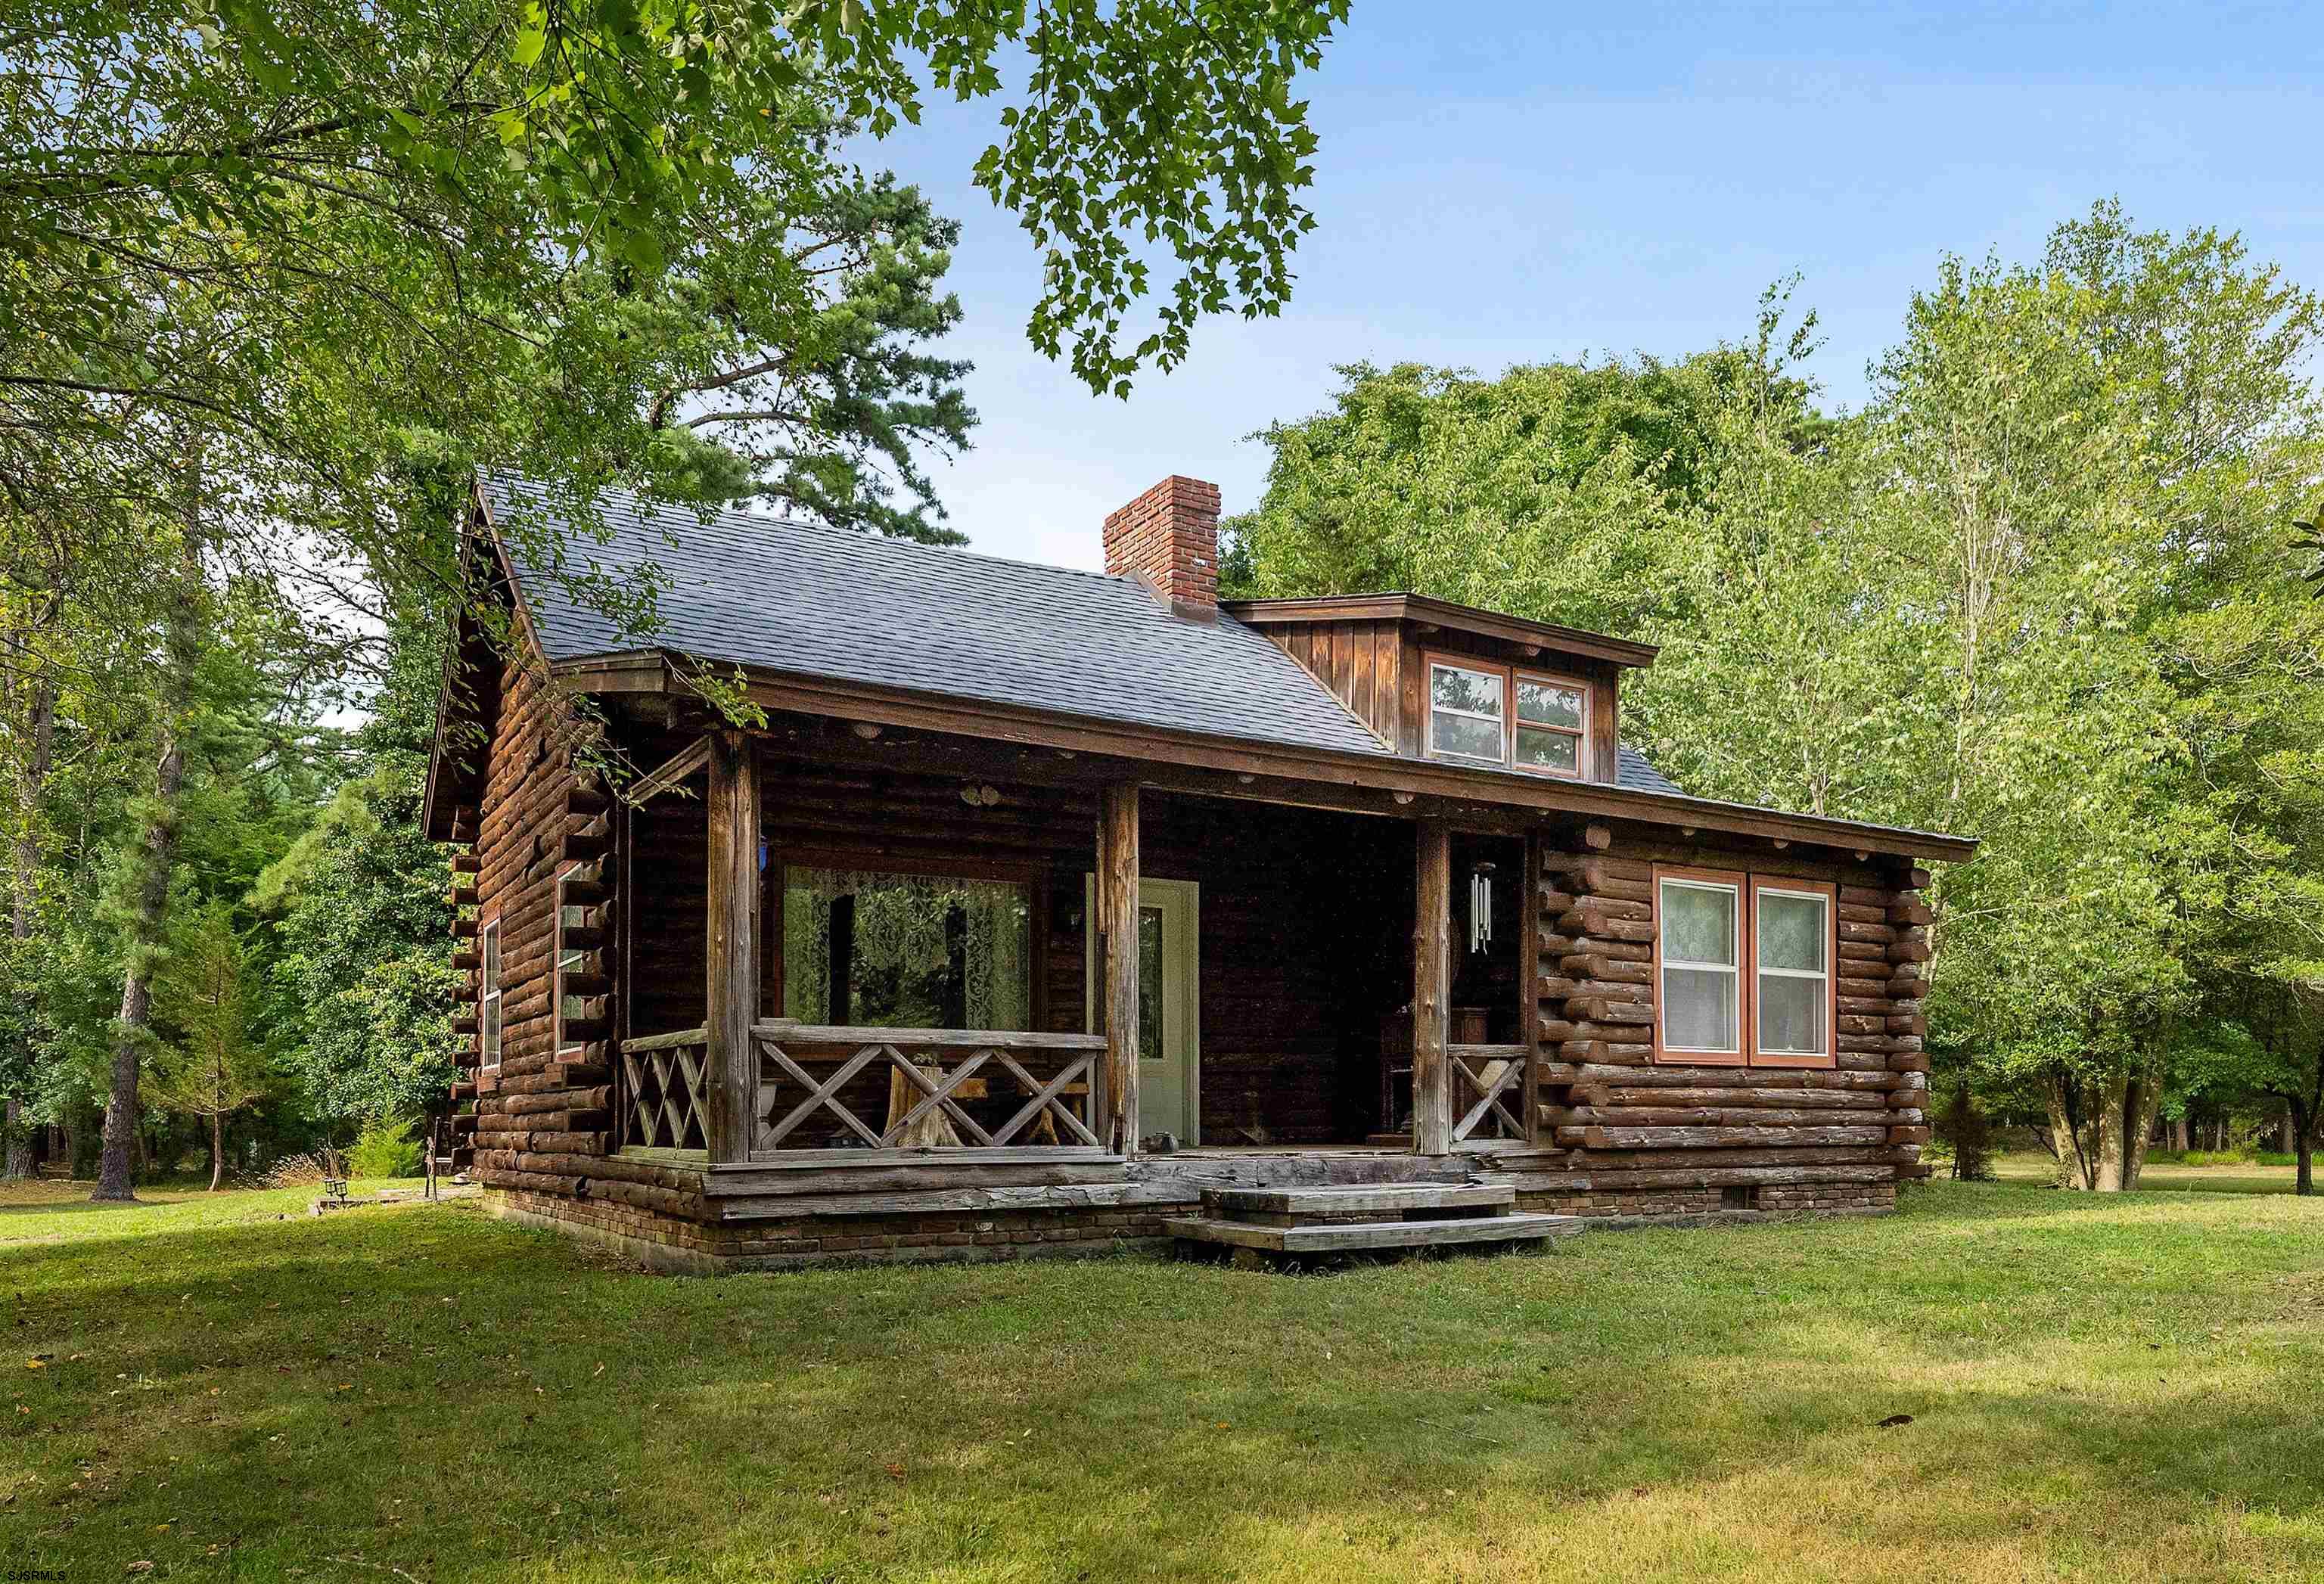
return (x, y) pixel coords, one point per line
(1168, 540)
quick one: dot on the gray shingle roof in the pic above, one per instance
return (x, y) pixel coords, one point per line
(822, 602)
(826, 602)
(1632, 771)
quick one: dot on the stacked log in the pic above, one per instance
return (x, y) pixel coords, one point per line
(544, 865)
(1595, 979)
(1612, 1121)
(1904, 1020)
(464, 862)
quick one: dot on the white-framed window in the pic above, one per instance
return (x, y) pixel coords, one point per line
(1791, 999)
(1700, 955)
(488, 992)
(1468, 712)
(1552, 721)
(1480, 711)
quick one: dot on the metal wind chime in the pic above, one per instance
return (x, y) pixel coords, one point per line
(1481, 907)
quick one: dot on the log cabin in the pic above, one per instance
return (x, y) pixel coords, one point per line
(901, 903)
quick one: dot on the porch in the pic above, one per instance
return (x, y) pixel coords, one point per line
(843, 975)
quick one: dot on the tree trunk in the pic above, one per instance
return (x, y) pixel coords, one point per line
(2143, 1099)
(2065, 1138)
(2179, 1135)
(2303, 1110)
(2110, 1149)
(147, 926)
(33, 781)
(20, 1142)
(150, 915)
(217, 1149)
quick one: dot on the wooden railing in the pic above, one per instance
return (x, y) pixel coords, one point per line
(665, 1096)
(847, 1092)
(1488, 1090)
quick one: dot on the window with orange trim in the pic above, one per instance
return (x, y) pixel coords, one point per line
(1743, 968)
(1552, 724)
(1699, 965)
(1791, 980)
(569, 959)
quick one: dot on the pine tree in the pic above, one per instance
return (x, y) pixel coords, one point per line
(211, 1068)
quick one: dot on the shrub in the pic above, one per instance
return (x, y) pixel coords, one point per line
(2276, 1157)
(385, 1150)
(1966, 1131)
(304, 1171)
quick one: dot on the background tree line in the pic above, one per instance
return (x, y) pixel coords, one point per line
(2046, 588)
(276, 277)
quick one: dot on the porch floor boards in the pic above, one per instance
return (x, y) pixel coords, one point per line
(1307, 1166)
(1223, 1151)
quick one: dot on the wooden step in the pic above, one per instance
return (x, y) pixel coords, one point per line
(1346, 1236)
(1377, 1198)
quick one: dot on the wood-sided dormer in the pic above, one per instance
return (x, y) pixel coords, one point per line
(1437, 681)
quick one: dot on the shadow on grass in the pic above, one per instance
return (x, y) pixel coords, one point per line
(431, 1391)
(82, 1205)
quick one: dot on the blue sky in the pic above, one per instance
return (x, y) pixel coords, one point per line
(1503, 184)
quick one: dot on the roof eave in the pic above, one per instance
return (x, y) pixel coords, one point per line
(658, 671)
(439, 795)
(1396, 606)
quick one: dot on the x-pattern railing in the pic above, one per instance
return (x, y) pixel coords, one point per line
(943, 1068)
(664, 1090)
(1497, 1077)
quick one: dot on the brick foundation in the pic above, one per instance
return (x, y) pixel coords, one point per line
(1695, 1205)
(669, 1243)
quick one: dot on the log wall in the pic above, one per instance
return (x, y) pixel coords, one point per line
(1622, 1133)
(542, 1122)
(1306, 945)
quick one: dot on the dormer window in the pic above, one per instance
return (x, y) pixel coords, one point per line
(1468, 712)
(1552, 716)
(1468, 716)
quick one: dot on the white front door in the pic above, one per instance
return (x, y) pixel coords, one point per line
(1170, 1018)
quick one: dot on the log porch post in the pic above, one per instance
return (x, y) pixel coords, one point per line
(731, 1005)
(1530, 981)
(1432, 987)
(1117, 907)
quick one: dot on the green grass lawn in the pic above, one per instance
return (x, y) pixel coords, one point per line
(2162, 1176)
(2124, 1388)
